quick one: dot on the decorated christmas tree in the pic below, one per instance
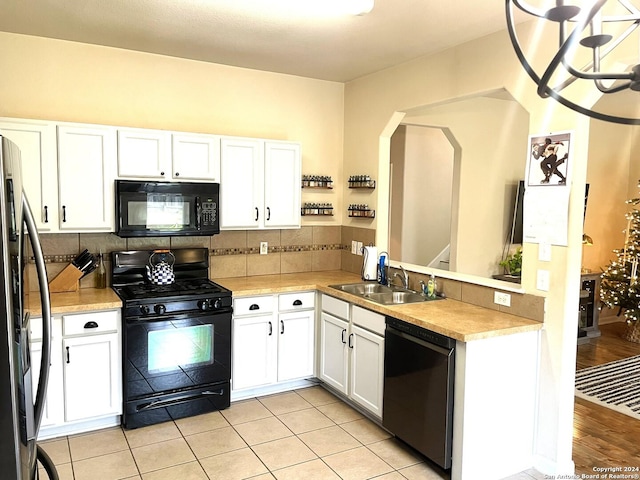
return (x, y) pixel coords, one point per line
(619, 287)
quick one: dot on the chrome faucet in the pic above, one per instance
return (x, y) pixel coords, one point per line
(404, 278)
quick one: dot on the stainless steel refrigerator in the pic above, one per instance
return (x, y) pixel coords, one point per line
(20, 415)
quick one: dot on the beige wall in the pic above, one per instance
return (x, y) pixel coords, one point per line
(67, 81)
(425, 168)
(491, 136)
(608, 175)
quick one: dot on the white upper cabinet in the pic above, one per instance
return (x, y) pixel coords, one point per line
(144, 153)
(282, 184)
(167, 156)
(86, 171)
(260, 184)
(241, 183)
(196, 157)
(37, 143)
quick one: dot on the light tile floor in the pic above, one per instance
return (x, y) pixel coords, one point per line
(304, 434)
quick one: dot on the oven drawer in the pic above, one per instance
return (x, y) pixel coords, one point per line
(89, 323)
(253, 305)
(296, 301)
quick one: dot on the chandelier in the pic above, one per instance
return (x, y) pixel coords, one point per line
(584, 28)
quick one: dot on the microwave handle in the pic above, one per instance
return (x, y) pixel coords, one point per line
(198, 213)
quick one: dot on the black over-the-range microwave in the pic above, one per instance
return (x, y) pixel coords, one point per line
(162, 209)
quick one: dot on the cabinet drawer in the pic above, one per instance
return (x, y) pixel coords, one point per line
(253, 305)
(296, 301)
(335, 307)
(88, 323)
(372, 321)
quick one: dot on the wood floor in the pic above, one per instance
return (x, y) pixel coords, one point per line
(603, 437)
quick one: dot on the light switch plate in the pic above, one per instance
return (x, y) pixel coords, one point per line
(542, 280)
(359, 248)
(264, 248)
(354, 247)
(544, 252)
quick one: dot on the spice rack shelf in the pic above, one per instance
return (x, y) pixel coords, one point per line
(317, 209)
(361, 211)
(361, 181)
(317, 181)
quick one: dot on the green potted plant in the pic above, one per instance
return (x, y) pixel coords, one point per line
(513, 263)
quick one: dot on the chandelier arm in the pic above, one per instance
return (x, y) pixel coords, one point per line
(618, 88)
(543, 86)
(525, 7)
(560, 99)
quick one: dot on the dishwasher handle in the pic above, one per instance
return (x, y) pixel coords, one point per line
(446, 351)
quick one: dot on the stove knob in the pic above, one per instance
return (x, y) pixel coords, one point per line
(204, 304)
(217, 304)
(144, 309)
(160, 309)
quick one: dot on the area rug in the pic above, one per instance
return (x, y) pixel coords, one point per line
(615, 385)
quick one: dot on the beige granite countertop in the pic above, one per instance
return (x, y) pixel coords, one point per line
(85, 299)
(455, 319)
(458, 320)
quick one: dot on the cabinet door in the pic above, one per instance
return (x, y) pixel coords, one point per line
(196, 157)
(91, 376)
(144, 153)
(37, 144)
(241, 183)
(282, 185)
(367, 369)
(53, 400)
(333, 352)
(254, 351)
(295, 345)
(86, 168)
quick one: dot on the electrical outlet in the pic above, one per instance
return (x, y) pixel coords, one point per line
(264, 248)
(502, 298)
(354, 247)
(359, 248)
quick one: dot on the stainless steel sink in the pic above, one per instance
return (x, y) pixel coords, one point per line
(381, 293)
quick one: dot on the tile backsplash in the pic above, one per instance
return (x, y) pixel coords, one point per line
(237, 254)
(232, 253)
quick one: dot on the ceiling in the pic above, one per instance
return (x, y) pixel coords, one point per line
(261, 35)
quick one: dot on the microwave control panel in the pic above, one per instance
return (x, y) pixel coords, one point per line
(209, 213)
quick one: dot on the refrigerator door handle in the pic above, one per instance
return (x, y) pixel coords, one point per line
(45, 301)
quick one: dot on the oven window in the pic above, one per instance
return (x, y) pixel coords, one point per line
(177, 349)
(159, 212)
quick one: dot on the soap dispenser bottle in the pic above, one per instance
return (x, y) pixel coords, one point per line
(431, 287)
(382, 268)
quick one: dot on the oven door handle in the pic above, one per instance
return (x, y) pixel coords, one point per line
(176, 400)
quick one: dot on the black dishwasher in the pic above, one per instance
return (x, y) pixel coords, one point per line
(418, 389)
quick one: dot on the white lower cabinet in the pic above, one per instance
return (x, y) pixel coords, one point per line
(295, 345)
(367, 369)
(334, 366)
(272, 345)
(53, 411)
(85, 386)
(90, 377)
(352, 352)
(254, 352)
